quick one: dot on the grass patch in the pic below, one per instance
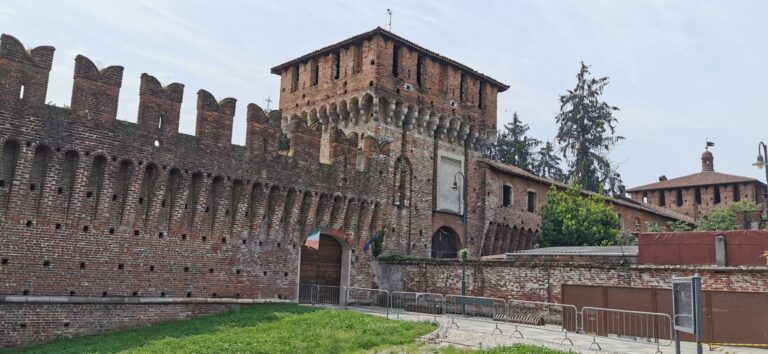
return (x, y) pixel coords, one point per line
(267, 328)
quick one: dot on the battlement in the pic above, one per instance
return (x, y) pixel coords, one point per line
(159, 108)
(95, 96)
(24, 72)
(95, 92)
(386, 66)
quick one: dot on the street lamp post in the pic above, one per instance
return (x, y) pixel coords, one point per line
(463, 196)
(762, 159)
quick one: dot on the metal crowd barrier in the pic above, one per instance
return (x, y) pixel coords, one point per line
(321, 294)
(307, 293)
(417, 303)
(635, 326)
(542, 315)
(476, 308)
(368, 300)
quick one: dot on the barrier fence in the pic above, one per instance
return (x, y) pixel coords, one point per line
(475, 308)
(417, 303)
(650, 327)
(635, 326)
(543, 316)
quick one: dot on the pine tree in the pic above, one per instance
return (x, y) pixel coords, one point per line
(513, 146)
(548, 163)
(586, 132)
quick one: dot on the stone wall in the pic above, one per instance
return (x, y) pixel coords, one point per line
(543, 280)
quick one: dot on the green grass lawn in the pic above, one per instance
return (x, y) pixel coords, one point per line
(268, 328)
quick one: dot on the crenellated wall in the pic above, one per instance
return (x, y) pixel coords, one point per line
(94, 206)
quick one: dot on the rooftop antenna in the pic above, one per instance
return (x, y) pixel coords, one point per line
(268, 100)
(389, 12)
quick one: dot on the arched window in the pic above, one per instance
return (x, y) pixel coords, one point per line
(444, 243)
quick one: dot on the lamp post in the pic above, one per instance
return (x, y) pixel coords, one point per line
(463, 196)
(762, 158)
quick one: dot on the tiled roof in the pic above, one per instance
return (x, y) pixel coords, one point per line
(514, 170)
(389, 35)
(696, 179)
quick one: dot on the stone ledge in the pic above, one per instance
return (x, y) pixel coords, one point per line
(36, 299)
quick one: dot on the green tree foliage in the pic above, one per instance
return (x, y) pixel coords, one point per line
(513, 146)
(586, 133)
(673, 226)
(725, 218)
(571, 219)
(547, 163)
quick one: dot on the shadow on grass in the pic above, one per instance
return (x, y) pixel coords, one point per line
(247, 316)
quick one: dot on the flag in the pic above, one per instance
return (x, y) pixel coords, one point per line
(709, 143)
(313, 241)
(370, 241)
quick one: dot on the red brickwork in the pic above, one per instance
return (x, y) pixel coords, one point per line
(25, 324)
(696, 195)
(543, 281)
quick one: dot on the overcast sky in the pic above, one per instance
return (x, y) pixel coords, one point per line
(681, 71)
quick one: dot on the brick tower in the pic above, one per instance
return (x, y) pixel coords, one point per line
(433, 115)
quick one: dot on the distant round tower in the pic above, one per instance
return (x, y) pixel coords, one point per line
(707, 161)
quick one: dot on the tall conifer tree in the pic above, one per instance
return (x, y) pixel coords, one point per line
(513, 146)
(587, 132)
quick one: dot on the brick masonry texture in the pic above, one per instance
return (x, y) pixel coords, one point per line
(698, 194)
(98, 207)
(24, 324)
(543, 280)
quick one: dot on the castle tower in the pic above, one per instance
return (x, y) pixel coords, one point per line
(426, 117)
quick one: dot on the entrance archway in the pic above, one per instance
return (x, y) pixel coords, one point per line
(323, 265)
(324, 272)
(445, 243)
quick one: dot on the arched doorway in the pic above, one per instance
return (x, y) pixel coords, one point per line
(445, 243)
(323, 265)
(324, 272)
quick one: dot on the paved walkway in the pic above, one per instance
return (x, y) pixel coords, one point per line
(478, 333)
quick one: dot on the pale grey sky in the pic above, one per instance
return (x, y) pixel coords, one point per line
(681, 71)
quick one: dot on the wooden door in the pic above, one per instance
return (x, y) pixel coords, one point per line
(321, 266)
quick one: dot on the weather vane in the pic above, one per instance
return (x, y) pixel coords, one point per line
(389, 12)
